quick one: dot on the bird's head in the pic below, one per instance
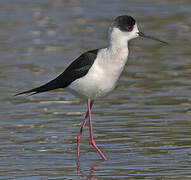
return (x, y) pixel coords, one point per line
(125, 26)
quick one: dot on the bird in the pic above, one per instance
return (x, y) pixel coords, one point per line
(95, 73)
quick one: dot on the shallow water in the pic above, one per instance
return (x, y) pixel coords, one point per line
(143, 127)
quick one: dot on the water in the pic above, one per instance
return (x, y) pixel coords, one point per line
(143, 127)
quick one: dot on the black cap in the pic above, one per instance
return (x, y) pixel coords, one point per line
(124, 22)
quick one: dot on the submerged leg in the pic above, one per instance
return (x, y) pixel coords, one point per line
(91, 131)
(81, 130)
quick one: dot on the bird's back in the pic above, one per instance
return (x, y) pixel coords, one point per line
(77, 69)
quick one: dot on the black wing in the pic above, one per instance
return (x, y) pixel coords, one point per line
(77, 69)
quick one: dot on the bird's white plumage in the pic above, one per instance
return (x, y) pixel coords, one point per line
(107, 67)
(95, 73)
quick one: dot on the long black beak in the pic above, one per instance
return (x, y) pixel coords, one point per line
(150, 37)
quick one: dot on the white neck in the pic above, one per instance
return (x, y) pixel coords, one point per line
(118, 42)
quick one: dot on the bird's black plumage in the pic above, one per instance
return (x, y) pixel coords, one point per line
(123, 22)
(77, 69)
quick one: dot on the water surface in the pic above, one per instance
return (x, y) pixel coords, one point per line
(143, 127)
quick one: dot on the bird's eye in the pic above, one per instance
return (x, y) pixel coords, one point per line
(129, 28)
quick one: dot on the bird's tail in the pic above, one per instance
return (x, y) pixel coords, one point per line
(54, 84)
(37, 90)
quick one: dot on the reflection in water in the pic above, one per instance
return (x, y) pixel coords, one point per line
(91, 174)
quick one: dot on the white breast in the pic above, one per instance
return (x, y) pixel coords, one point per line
(102, 76)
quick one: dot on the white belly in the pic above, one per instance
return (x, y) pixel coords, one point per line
(101, 78)
(92, 86)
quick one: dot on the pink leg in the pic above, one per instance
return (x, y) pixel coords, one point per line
(80, 133)
(91, 133)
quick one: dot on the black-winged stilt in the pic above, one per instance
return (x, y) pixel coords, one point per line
(95, 73)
